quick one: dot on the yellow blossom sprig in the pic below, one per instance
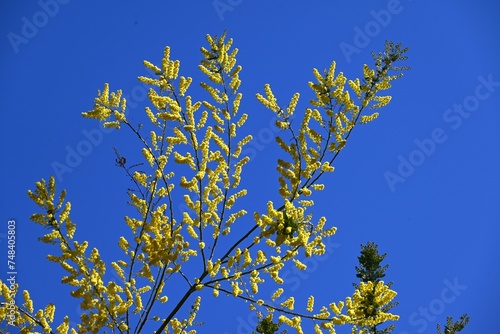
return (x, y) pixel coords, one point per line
(379, 78)
(366, 307)
(57, 220)
(338, 119)
(85, 272)
(219, 65)
(108, 105)
(305, 159)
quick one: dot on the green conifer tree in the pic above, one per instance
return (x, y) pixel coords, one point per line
(454, 327)
(371, 270)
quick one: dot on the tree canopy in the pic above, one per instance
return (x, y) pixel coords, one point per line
(193, 153)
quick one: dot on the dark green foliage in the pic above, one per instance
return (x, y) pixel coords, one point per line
(371, 270)
(384, 61)
(289, 222)
(451, 327)
(267, 326)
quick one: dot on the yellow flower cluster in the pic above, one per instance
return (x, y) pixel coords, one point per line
(294, 322)
(107, 105)
(291, 227)
(255, 280)
(365, 308)
(310, 304)
(369, 118)
(44, 196)
(277, 294)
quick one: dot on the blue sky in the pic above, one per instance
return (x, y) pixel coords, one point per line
(422, 181)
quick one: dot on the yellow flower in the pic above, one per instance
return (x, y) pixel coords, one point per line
(382, 101)
(327, 168)
(356, 87)
(138, 303)
(292, 105)
(289, 303)
(149, 156)
(27, 300)
(299, 264)
(277, 294)
(366, 119)
(310, 304)
(247, 259)
(236, 289)
(192, 232)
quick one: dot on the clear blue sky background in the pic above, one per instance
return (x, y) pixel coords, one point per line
(440, 227)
